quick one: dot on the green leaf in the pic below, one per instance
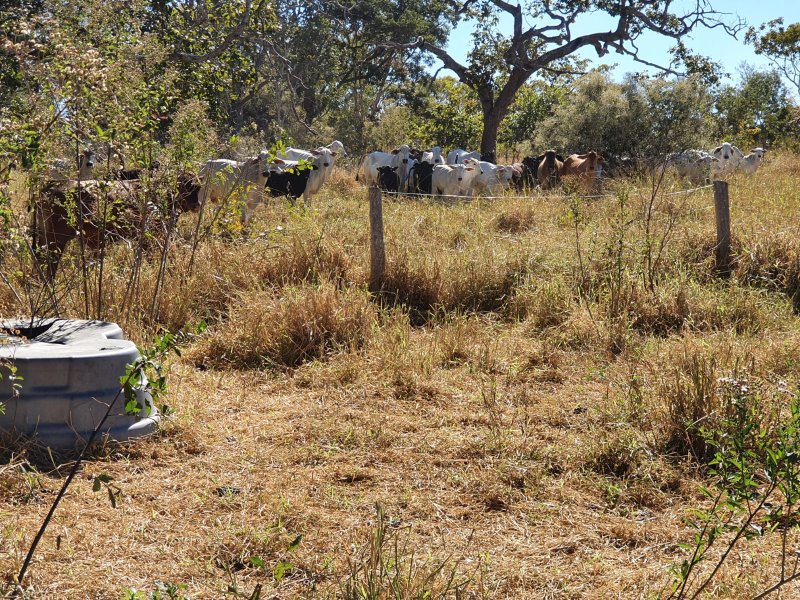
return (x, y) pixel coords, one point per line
(281, 569)
(257, 562)
(295, 543)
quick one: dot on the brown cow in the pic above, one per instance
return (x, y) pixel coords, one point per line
(549, 169)
(103, 210)
(584, 166)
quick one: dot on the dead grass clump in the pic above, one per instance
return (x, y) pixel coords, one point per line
(660, 314)
(542, 303)
(457, 342)
(342, 181)
(388, 566)
(746, 312)
(580, 331)
(516, 219)
(401, 358)
(617, 456)
(689, 395)
(702, 393)
(694, 252)
(417, 288)
(303, 259)
(289, 328)
(633, 476)
(672, 309)
(771, 263)
(765, 262)
(425, 286)
(482, 285)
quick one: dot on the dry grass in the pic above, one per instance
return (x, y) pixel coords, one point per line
(287, 329)
(519, 414)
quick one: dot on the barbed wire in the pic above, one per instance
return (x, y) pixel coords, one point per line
(527, 197)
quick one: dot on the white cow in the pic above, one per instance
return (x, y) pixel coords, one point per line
(489, 176)
(729, 157)
(458, 155)
(452, 180)
(399, 157)
(694, 165)
(433, 157)
(61, 169)
(750, 163)
(240, 181)
(336, 147)
(323, 159)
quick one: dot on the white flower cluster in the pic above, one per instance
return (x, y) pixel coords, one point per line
(737, 387)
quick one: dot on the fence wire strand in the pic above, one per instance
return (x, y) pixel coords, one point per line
(528, 197)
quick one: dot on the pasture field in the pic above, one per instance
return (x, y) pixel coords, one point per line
(511, 418)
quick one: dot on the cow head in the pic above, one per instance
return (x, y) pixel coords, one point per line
(388, 179)
(463, 169)
(336, 147)
(188, 196)
(595, 159)
(531, 163)
(404, 152)
(86, 158)
(423, 169)
(724, 151)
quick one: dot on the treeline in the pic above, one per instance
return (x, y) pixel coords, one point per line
(208, 78)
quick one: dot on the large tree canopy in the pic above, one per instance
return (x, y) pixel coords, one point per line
(544, 38)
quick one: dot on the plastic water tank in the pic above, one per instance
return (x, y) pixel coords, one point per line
(70, 372)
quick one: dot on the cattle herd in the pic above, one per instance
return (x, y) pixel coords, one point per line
(466, 174)
(102, 208)
(699, 166)
(410, 171)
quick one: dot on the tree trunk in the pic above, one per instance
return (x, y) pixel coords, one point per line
(495, 109)
(491, 124)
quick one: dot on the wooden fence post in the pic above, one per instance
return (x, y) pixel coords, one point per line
(722, 210)
(377, 249)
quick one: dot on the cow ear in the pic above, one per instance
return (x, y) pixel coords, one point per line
(394, 168)
(315, 152)
(278, 161)
(396, 151)
(334, 153)
(717, 149)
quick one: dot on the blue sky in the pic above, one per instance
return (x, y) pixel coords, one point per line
(714, 43)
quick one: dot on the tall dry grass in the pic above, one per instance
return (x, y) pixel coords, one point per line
(278, 330)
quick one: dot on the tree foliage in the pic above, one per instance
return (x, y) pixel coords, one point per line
(757, 111)
(134, 74)
(543, 39)
(330, 62)
(781, 45)
(637, 118)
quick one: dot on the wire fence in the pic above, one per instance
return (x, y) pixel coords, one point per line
(721, 208)
(529, 196)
